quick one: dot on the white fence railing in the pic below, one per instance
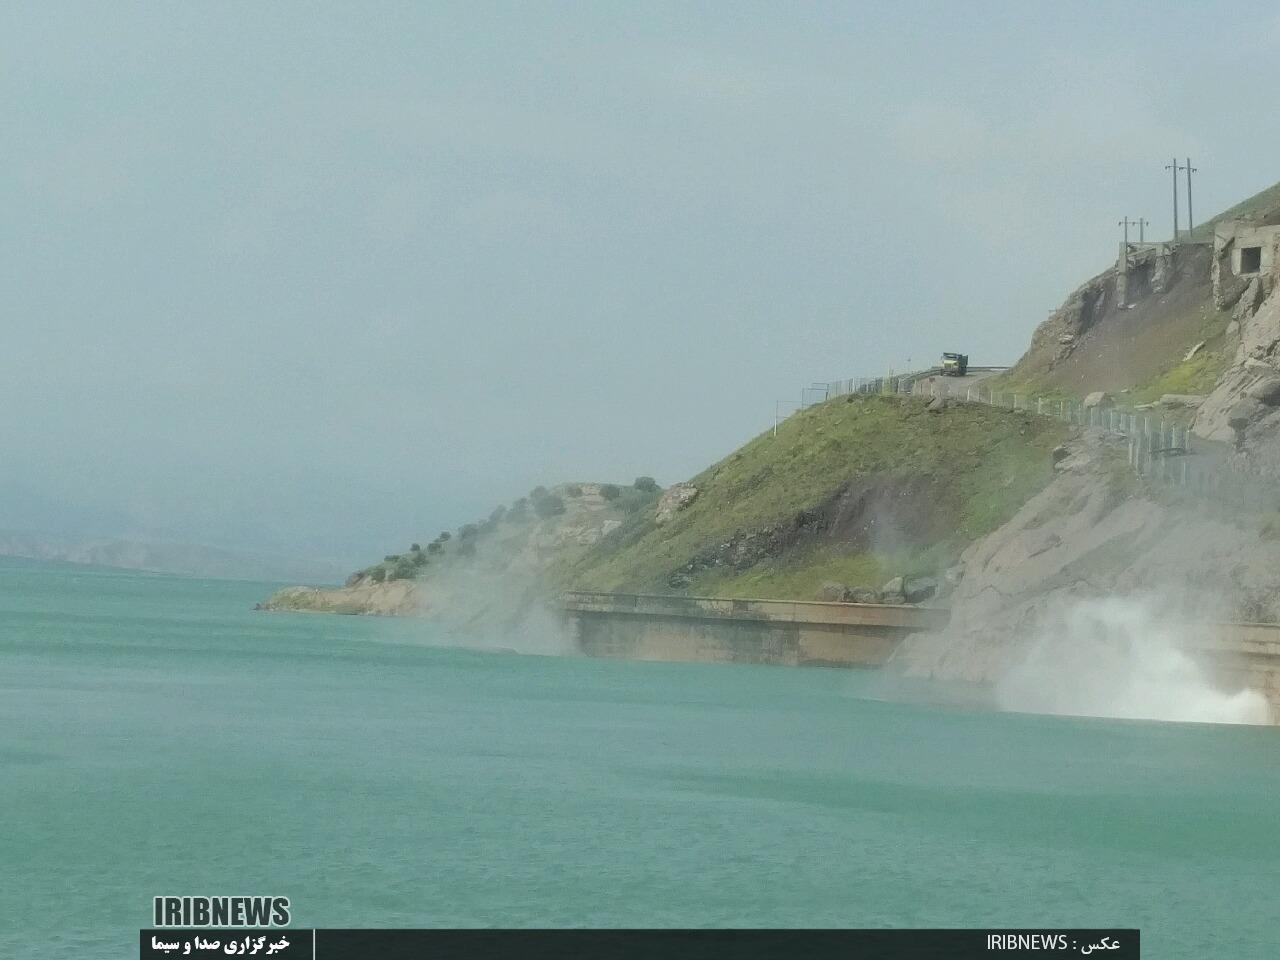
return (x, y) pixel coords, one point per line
(903, 383)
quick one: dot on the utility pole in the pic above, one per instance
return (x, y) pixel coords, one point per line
(1143, 223)
(778, 415)
(1175, 168)
(1126, 223)
(1191, 225)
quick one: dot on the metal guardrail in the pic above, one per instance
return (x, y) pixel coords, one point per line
(902, 383)
(1159, 448)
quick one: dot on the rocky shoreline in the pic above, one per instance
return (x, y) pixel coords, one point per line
(395, 598)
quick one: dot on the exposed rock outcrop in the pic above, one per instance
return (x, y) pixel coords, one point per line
(676, 498)
(1123, 329)
(1057, 337)
(1181, 400)
(832, 592)
(1227, 287)
(1240, 407)
(895, 591)
(919, 589)
(1248, 302)
(1265, 389)
(862, 595)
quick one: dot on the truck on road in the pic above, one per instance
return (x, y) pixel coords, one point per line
(955, 364)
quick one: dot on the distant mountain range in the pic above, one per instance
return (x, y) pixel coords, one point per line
(158, 557)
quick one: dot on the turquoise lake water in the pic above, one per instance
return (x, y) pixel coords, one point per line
(158, 736)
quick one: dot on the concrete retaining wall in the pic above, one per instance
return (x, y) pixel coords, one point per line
(1245, 655)
(796, 633)
(713, 630)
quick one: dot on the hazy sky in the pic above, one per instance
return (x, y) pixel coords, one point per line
(325, 278)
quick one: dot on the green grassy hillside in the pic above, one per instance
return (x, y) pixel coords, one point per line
(1263, 207)
(855, 490)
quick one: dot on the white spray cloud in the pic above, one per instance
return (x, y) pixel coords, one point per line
(1116, 657)
(495, 598)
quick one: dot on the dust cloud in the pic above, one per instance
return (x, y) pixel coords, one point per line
(489, 602)
(1121, 657)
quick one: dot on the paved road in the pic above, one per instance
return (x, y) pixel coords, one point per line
(938, 385)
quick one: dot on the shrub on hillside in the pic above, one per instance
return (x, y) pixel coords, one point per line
(548, 505)
(632, 500)
(499, 512)
(610, 491)
(519, 510)
(573, 490)
(467, 531)
(545, 503)
(402, 569)
(647, 485)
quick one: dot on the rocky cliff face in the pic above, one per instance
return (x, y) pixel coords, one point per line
(1056, 338)
(1094, 533)
(1099, 535)
(1244, 407)
(1112, 335)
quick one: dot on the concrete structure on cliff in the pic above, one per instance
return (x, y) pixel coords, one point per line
(1244, 253)
(1142, 268)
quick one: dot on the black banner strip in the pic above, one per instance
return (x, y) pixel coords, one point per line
(292, 943)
